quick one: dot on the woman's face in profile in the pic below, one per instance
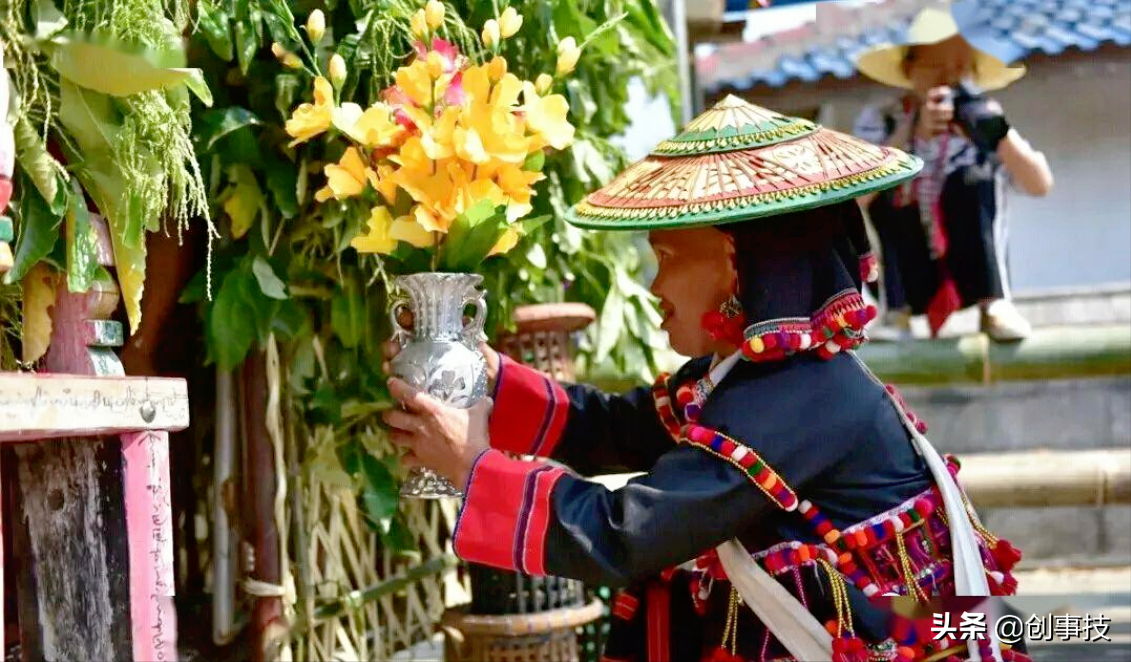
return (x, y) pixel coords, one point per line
(696, 275)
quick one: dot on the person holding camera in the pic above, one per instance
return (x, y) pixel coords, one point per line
(943, 235)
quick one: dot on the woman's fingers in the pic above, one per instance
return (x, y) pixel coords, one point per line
(411, 461)
(402, 420)
(413, 398)
(402, 439)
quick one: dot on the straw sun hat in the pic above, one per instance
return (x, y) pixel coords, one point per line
(933, 25)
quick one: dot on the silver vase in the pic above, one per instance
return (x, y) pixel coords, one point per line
(440, 355)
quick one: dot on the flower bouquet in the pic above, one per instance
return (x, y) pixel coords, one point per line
(444, 163)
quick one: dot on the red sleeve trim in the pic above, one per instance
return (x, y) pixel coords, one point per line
(506, 513)
(530, 410)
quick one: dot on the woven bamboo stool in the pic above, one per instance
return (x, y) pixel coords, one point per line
(549, 636)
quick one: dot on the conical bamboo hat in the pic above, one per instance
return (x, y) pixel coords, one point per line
(737, 162)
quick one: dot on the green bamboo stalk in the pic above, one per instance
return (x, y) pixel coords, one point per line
(356, 599)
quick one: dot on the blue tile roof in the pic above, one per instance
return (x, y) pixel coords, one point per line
(1010, 29)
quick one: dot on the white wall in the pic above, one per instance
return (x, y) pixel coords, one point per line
(1079, 115)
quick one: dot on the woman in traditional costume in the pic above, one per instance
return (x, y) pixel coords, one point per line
(797, 486)
(943, 235)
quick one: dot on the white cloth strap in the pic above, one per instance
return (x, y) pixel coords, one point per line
(791, 623)
(786, 618)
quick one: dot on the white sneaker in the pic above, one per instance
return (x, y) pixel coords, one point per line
(892, 326)
(1002, 322)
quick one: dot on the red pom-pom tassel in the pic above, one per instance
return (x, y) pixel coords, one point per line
(1006, 555)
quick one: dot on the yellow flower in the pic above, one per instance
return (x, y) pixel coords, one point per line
(417, 82)
(377, 240)
(316, 25)
(309, 120)
(292, 61)
(469, 146)
(506, 242)
(490, 113)
(384, 183)
(436, 139)
(434, 14)
(543, 83)
(568, 54)
(419, 24)
(509, 23)
(373, 128)
(405, 228)
(347, 178)
(491, 34)
(427, 220)
(278, 51)
(517, 183)
(411, 157)
(433, 190)
(547, 117)
(497, 68)
(337, 70)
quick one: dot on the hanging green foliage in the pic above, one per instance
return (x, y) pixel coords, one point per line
(102, 85)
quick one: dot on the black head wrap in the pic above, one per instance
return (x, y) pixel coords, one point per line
(800, 277)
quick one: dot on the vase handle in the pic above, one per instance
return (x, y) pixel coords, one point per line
(400, 334)
(473, 331)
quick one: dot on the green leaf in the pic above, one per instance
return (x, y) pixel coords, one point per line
(610, 325)
(90, 118)
(47, 18)
(243, 201)
(287, 87)
(31, 152)
(351, 452)
(536, 256)
(199, 87)
(471, 237)
(213, 23)
(248, 33)
(82, 244)
(38, 230)
(290, 320)
(347, 315)
(213, 125)
(379, 493)
(399, 539)
(535, 162)
(282, 181)
(111, 69)
(528, 225)
(328, 409)
(231, 324)
(269, 283)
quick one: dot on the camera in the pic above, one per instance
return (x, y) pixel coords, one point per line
(980, 119)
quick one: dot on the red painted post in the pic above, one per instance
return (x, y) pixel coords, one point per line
(95, 510)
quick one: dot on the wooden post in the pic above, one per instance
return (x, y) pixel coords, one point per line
(92, 511)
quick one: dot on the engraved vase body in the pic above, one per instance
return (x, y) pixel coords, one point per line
(440, 355)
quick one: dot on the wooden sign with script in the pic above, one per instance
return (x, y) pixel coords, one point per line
(45, 406)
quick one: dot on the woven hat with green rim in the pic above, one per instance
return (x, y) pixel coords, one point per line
(738, 162)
